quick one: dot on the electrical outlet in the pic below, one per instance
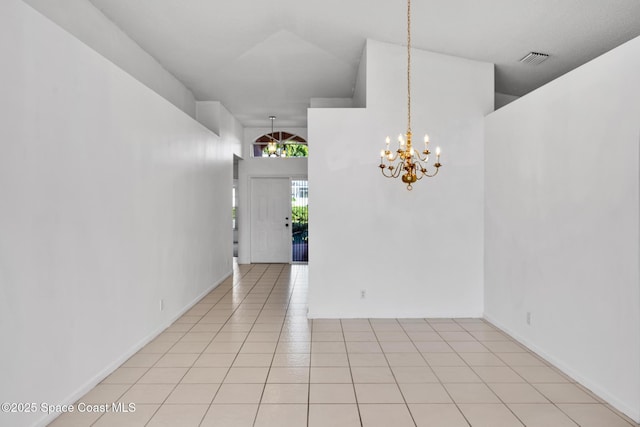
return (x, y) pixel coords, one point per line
(528, 318)
(363, 294)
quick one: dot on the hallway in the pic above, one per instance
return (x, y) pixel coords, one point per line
(246, 355)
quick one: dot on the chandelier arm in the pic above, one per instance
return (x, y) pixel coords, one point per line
(419, 164)
(392, 173)
(421, 158)
(434, 174)
(397, 170)
(388, 173)
(424, 166)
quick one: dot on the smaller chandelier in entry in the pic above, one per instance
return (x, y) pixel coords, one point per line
(275, 148)
(406, 160)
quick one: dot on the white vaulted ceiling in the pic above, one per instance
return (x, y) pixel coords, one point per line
(270, 57)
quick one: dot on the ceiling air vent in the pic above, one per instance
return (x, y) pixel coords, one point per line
(534, 58)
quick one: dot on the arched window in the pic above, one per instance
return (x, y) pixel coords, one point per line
(280, 144)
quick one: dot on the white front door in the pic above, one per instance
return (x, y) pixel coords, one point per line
(271, 220)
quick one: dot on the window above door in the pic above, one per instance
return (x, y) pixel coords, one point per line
(280, 144)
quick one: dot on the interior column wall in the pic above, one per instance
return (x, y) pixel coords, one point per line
(413, 253)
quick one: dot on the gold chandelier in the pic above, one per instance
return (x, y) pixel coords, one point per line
(406, 160)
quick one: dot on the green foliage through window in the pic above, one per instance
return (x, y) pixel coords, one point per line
(297, 150)
(289, 150)
(300, 214)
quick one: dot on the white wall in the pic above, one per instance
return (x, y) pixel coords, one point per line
(331, 102)
(502, 99)
(418, 253)
(214, 116)
(111, 199)
(86, 22)
(360, 87)
(231, 132)
(562, 223)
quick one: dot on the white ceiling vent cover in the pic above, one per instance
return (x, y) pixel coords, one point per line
(534, 58)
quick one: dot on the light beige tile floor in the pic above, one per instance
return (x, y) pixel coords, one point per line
(246, 356)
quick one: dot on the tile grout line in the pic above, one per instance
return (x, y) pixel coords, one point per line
(481, 379)
(277, 342)
(353, 384)
(438, 378)
(237, 353)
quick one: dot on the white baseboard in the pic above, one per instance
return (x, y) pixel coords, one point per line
(323, 314)
(594, 387)
(133, 350)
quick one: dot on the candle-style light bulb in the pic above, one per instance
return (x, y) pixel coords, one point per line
(381, 154)
(411, 151)
(426, 139)
(388, 141)
(438, 153)
(400, 139)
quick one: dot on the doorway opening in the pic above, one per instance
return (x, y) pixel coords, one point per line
(234, 205)
(299, 220)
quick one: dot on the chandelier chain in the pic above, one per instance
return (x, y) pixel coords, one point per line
(409, 65)
(406, 161)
